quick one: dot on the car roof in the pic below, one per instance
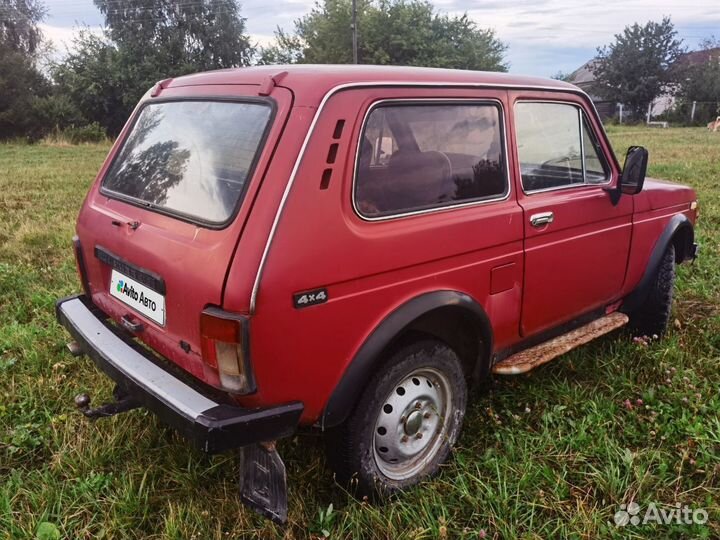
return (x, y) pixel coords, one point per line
(311, 82)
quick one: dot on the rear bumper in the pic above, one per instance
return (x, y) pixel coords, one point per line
(210, 423)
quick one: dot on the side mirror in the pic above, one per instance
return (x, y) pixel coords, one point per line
(633, 174)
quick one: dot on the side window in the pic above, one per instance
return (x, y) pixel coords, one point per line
(378, 134)
(419, 156)
(555, 147)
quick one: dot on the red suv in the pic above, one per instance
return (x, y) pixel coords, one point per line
(346, 248)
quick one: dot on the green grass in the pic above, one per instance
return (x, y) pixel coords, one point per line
(549, 455)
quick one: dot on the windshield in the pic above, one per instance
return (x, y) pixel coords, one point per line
(190, 157)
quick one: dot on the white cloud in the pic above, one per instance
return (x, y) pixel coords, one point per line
(590, 23)
(61, 37)
(262, 40)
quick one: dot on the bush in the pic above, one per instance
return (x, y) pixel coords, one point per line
(92, 132)
(679, 114)
(89, 133)
(56, 112)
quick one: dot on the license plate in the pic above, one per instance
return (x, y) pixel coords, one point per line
(138, 296)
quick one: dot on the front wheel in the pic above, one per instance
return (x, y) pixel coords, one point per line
(405, 422)
(652, 317)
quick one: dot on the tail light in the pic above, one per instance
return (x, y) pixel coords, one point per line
(225, 349)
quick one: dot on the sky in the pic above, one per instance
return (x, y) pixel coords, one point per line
(543, 36)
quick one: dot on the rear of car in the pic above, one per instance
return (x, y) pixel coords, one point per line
(156, 233)
(155, 240)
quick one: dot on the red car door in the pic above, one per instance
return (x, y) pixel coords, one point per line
(576, 239)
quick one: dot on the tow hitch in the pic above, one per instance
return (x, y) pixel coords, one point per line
(122, 403)
(213, 426)
(263, 481)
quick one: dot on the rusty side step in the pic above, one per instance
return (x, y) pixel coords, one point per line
(533, 357)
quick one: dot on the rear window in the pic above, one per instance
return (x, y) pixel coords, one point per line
(191, 158)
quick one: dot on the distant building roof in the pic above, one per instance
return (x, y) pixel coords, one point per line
(583, 75)
(700, 57)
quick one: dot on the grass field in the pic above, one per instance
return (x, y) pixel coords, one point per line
(550, 455)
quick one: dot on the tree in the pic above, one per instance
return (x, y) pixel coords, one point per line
(146, 41)
(700, 82)
(287, 49)
(397, 32)
(100, 81)
(637, 67)
(709, 43)
(190, 35)
(19, 21)
(21, 83)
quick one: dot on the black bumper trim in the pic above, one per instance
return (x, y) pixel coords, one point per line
(146, 277)
(211, 425)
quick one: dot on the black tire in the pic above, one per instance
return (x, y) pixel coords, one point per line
(653, 316)
(422, 369)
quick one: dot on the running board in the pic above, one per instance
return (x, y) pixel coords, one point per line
(533, 357)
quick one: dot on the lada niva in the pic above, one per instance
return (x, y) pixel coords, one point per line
(346, 248)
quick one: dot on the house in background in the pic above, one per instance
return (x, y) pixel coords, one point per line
(700, 57)
(584, 78)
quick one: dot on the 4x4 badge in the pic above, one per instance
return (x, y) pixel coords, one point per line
(310, 298)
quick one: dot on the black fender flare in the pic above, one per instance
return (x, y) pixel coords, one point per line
(678, 224)
(368, 358)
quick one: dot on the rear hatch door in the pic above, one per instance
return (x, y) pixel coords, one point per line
(161, 223)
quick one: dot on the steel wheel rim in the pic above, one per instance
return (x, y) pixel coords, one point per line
(412, 423)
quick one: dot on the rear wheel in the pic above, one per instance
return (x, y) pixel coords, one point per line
(652, 317)
(405, 422)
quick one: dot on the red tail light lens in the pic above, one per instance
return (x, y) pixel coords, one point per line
(225, 349)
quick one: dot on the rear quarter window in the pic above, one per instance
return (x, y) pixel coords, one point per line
(421, 156)
(190, 158)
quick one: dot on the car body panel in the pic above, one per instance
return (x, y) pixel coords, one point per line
(370, 268)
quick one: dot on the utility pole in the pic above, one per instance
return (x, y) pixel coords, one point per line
(354, 32)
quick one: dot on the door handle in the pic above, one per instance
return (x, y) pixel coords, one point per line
(543, 218)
